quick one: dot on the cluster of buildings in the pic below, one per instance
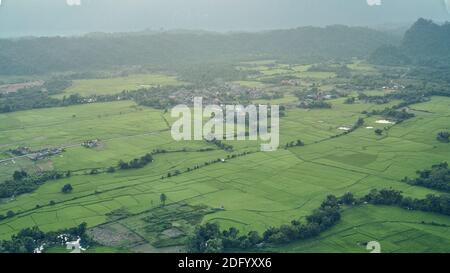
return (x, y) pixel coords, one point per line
(36, 155)
(90, 143)
(44, 153)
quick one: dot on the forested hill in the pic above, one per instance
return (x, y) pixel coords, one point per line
(425, 43)
(170, 49)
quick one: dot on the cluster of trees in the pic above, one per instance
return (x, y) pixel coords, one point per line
(209, 238)
(360, 122)
(378, 132)
(33, 97)
(350, 100)
(67, 188)
(26, 99)
(23, 182)
(136, 163)
(374, 99)
(392, 114)
(220, 144)
(410, 95)
(315, 104)
(431, 203)
(297, 143)
(30, 239)
(320, 220)
(56, 86)
(443, 137)
(438, 178)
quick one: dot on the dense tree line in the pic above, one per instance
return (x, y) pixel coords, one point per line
(172, 50)
(315, 104)
(33, 97)
(438, 178)
(220, 144)
(136, 163)
(25, 183)
(392, 114)
(31, 239)
(209, 238)
(431, 203)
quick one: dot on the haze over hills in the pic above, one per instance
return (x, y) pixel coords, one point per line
(56, 17)
(172, 50)
(425, 43)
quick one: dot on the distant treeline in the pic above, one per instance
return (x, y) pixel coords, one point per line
(174, 50)
(32, 98)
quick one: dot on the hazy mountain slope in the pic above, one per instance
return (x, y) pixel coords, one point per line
(425, 43)
(171, 49)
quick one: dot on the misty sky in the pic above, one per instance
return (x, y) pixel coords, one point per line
(56, 17)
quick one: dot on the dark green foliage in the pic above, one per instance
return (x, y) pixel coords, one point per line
(208, 238)
(297, 143)
(67, 188)
(30, 239)
(360, 122)
(10, 214)
(175, 50)
(348, 199)
(22, 183)
(438, 178)
(432, 203)
(136, 163)
(19, 175)
(390, 113)
(220, 144)
(384, 197)
(443, 137)
(350, 100)
(315, 104)
(389, 55)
